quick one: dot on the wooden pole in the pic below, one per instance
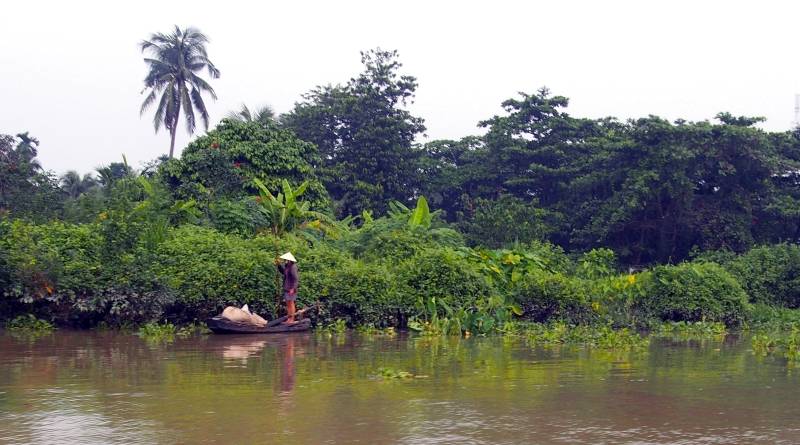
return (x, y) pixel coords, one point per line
(278, 284)
(285, 317)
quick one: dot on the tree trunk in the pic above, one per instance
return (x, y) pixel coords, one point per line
(174, 128)
(172, 132)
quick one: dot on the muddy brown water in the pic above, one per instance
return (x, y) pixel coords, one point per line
(111, 388)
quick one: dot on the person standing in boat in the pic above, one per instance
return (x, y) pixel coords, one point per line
(291, 279)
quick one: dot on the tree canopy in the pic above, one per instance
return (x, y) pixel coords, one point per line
(224, 162)
(26, 189)
(364, 134)
(651, 189)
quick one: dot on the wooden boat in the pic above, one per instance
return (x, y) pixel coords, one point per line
(221, 325)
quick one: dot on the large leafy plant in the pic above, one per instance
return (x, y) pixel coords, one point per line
(285, 211)
(401, 233)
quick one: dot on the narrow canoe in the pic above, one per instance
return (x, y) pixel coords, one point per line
(221, 325)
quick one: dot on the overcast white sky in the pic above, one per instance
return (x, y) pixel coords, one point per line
(71, 72)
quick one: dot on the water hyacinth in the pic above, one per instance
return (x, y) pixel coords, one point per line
(29, 325)
(156, 332)
(600, 337)
(687, 330)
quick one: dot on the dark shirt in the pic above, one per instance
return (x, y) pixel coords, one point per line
(290, 276)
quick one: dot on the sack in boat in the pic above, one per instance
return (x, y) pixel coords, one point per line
(257, 320)
(233, 313)
(243, 316)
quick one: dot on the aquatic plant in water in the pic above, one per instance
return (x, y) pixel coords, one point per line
(764, 317)
(601, 337)
(339, 326)
(691, 330)
(785, 343)
(488, 315)
(387, 373)
(29, 325)
(775, 331)
(370, 329)
(156, 332)
(191, 329)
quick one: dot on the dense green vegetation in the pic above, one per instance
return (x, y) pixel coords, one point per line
(546, 218)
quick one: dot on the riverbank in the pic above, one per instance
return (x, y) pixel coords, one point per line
(384, 274)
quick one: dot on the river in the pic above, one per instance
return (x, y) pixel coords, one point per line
(112, 388)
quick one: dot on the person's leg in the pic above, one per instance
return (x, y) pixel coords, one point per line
(290, 311)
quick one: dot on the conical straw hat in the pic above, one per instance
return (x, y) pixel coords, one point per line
(288, 257)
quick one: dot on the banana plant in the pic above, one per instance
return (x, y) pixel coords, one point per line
(420, 216)
(285, 211)
(157, 202)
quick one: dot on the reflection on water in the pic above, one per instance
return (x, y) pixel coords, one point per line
(244, 349)
(86, 388)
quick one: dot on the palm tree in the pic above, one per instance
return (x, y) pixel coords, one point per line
(263, 115)
(176, 58)
(74, 185)
(109, 174)
(27, 151)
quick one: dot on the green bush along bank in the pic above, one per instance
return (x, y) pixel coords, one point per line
(77, 274)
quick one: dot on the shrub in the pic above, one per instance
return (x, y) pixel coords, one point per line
(597, 263)
(616, 300)
(62, 271)
(123, 305)
(545, 296)
(5, 266)
(446, 275)
(552, 256)
(235, 217)
(53, 262)
(208, 270)
(694, 292)
(506, 220)
(770, 274)
(359, 292)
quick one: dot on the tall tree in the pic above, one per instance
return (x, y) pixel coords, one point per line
(364, 134)
(455, 172)
(25, 189)
(27, 150)
(176, 60)
(223, 163)
(528, 148)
